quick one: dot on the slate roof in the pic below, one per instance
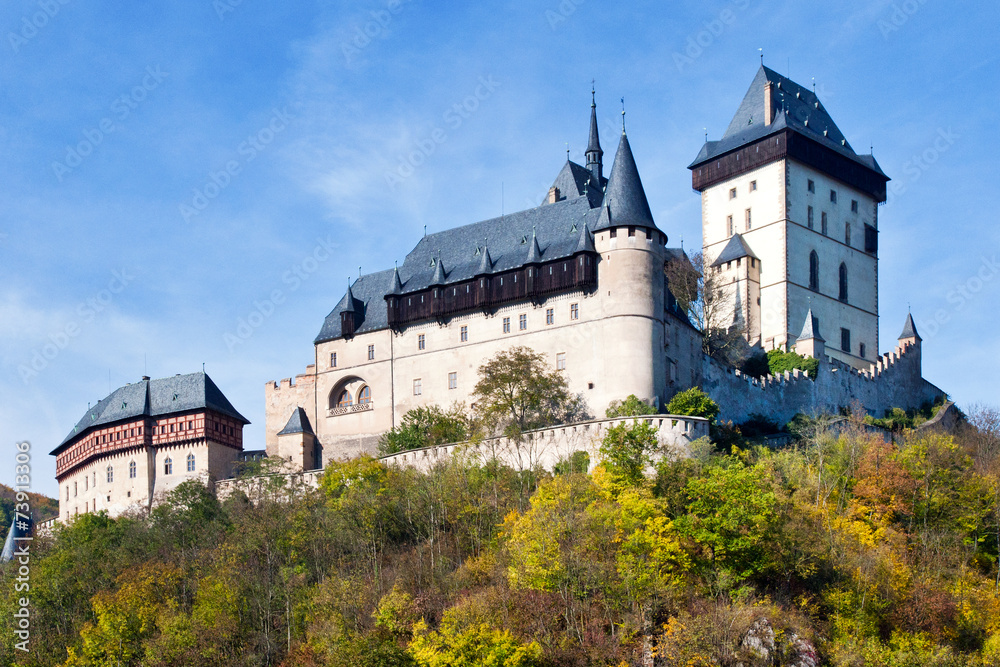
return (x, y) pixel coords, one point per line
(909, 329)
(153, 398)
(574, 180)
(796, 108)
(297, 423)
(811, 328)
(735, 249)
(625, 200)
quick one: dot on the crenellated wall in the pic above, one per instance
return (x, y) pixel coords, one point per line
(894, 380)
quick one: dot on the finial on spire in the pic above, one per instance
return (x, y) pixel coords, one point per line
(425, 230)
(814, 85)
(706, 133)
(567, 151)
(623, 115)
(761, 49)
(593, 94)
(359, 272)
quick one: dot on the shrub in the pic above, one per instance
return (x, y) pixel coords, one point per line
(632, 406)
(779, 361)
(695, 403)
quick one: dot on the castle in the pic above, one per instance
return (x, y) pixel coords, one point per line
(790, 230)
(790, 240)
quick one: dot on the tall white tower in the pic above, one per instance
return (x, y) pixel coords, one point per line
(805, 206)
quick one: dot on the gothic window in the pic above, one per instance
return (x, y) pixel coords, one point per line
(131, 470)
(814, 271)
(190, 462)
(111, 474)
(365, 395)
(168, 466)
(843, 283)
(344, 399)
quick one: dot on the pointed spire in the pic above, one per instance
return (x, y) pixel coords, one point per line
(909, 329)
(439, 273)
(397, 284)
(595, 162)
(625, 199)
(810, 330)
(348, 303)
(585, 242)
(534, 252)
(486, 262)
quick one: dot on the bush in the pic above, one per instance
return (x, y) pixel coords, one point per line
(425, 427)
(759, 425)
(779, 361)
(632, 406)
(695, 403)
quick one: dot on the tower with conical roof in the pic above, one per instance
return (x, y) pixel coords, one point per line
(784, 177)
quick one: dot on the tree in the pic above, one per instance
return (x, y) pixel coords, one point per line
(516, 393)
(478, 645)
(779, 361)
(694, 403)
(626, 449)
(632, 406)
(426, 427)
(711, 306)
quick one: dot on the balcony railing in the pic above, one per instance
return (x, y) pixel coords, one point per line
(349, 409)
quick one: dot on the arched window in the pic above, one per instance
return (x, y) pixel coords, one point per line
(843, 282)
(344, 400)
(365, 395)
(814, 271)
(131, 469)
(168, 466)
(111, 474)
(190, 463)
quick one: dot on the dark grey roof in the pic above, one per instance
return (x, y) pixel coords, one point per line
(556, 227)
(909, 329)
(349, 302)
(439, 274)
(574, 180)
(795, 108)
(735, 249)
(153, 398)
(586, 241)
(625, 200)
(594, 142)
(397, 284)
(811, 328)
(297, 423)
(534, 252)
(486, 262)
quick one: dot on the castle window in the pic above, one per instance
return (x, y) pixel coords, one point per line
(574, 311)
(631, 230)
(111, 474)
(843, 283)
(417, 387)
(814, 271)
(729, 222)
(871, 239)
(365, 395)
(453, 380)
(847, 233)
(344, 400)
(753, 185)
(168, 466)
(75, 489)
(854, 206)
(748, 219)
(333, 360)
(732, 193)
(614, 233)
(861, 350)
(421, 342)
(522, 322)
(131, 469)
(371, 353)
(833, 196)
(550, 316)
(560, 361)
(809, 217)
(190, 462)
(822, 224)
(845, 340)
(506, 325)
(67, 492)
(811, 185)
(171, 428)
(464, 334)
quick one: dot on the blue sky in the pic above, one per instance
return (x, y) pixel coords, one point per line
(167, 170)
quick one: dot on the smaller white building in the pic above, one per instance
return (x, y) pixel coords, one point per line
(144, 439)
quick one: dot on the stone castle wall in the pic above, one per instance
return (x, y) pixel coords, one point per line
(893, 381)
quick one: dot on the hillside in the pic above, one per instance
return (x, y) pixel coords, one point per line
(42, 507)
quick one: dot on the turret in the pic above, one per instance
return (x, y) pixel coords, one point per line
(810, 343)
(910, 338)
(594, 153)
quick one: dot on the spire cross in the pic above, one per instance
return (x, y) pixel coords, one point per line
(623, 115)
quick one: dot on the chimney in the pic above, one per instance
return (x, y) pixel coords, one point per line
(553, 195)
(768, 102)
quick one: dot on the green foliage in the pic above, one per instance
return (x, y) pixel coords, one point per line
(779, 361)
(759, 425)
(897, 419)
(756, 365)
(517, 392)
(577, 462)
(632, 406)
(474, 646)
(627, 449)
(695, 403)
(426, 427)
